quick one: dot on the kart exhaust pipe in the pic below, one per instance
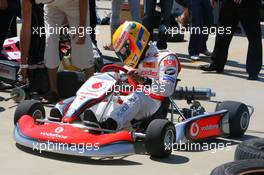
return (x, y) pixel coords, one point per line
(186, 93)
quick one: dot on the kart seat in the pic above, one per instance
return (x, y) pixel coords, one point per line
(160, 114)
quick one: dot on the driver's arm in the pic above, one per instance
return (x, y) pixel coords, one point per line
(167, 78)
(25, 35)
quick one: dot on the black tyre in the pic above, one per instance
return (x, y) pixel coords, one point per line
(250, 149)
(242, 167)
(160, 136)
(239, 117)
(29, 107)
(69, 83)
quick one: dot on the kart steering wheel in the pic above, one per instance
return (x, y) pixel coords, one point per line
(113, 67)
(117, 68)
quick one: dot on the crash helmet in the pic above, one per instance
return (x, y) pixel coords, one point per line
(130, 41)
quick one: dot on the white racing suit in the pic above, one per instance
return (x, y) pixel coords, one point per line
(161, 67)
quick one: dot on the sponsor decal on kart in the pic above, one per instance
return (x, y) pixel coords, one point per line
(8, 72)
(205, 128)
(52, 135)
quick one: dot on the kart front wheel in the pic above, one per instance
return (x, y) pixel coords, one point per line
(160, 136)
(239, 117)
(29, 107)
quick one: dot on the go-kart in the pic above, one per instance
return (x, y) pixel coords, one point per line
(67, 127)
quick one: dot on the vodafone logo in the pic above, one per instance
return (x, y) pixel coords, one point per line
(194, 129)
(59, 130)
(98, 86)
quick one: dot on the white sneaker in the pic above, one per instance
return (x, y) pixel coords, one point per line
(195, 57)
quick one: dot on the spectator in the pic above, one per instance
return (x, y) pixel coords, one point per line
(9, 10)
(231, 13)
(32, 47)
(149, 20)
(93, 19)
(82, 53)
(134, 6)
(201, 14)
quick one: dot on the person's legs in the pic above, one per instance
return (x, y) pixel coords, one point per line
(134, 7)
(5, 19)
(228, 19)
(250, 20)
(166, 6)
(53, 18)
(115, 17)
(207, 15)
(148, 18)
(196, 11)
(93, 19)
(82, 55)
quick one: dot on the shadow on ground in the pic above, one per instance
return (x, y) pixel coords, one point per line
(1, 108)
(173, 159)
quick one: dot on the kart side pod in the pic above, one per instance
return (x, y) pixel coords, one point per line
(203, 127)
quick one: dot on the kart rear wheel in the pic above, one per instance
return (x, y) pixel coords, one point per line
(29, 107)
(242, 167)
(160, 136)
(250, 149)
(239, 117)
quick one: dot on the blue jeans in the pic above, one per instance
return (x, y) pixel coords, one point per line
(201, 13)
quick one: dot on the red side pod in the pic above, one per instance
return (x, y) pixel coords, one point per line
(204, 128)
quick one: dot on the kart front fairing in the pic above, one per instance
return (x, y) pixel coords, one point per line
(96, 94)
(70, 131)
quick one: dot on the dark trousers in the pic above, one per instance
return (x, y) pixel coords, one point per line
(93, 19)
(149, 19)
(5, 19)
(230, 15)
(8, 21)
(201, 13)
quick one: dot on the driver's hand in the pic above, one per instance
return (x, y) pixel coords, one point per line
(23, 73)
(134, 75)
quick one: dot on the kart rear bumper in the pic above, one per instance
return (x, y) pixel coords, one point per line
(118, 149)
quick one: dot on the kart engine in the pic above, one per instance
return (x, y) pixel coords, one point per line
(191, 95)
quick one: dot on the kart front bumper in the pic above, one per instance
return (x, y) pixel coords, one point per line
(118, 149)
